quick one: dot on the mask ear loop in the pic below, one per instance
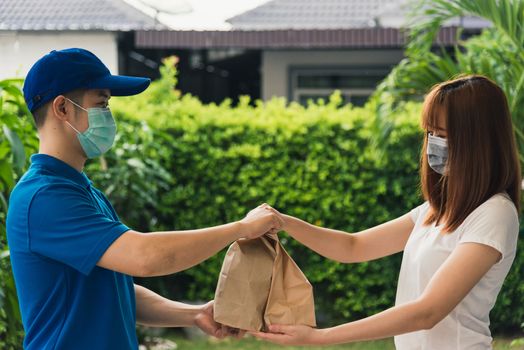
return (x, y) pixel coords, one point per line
(76, 104)
(72, 127)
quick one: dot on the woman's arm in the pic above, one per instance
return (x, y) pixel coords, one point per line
(373, 243)
(463, 269)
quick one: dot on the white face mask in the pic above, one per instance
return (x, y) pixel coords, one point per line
(437, 151)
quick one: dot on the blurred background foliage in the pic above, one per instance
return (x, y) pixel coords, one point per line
(18, 140)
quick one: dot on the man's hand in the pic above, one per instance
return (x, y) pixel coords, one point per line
(280, 215)
(260, 221)
(205, 321)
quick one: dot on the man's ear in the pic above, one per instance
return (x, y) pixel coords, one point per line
(62, 110)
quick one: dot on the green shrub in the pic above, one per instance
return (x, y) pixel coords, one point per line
(17, 142)
(508, 315)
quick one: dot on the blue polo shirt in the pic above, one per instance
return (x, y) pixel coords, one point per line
(58, 227)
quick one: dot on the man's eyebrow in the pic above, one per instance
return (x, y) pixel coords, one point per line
(103, 94)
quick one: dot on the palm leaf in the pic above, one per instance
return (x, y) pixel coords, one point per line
(497, 53)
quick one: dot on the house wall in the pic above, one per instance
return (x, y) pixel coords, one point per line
(20, 50)
(276, 64)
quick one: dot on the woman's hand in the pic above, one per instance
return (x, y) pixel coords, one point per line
(260, 221)
(290, 335)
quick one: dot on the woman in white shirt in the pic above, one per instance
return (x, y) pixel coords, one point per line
(458, 246)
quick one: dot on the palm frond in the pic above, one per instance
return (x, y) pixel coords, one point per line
(498, 52)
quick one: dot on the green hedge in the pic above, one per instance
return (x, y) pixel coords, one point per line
(319, 163)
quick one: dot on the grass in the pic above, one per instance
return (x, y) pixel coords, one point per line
(254, 344)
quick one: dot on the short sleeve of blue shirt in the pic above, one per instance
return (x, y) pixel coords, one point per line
(67, 224)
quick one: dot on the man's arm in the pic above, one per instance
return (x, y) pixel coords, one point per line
(163, 253)
(156, 311)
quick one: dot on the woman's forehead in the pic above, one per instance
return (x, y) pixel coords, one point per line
(436, 127)
(434, 115)
(435, 121)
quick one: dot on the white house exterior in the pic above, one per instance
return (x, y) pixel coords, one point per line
(31, 28)
(20, 49)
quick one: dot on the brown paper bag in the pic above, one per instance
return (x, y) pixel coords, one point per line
(259, 285)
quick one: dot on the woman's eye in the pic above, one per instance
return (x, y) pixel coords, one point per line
(437, 134)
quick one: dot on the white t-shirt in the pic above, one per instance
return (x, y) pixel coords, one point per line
(494, 223)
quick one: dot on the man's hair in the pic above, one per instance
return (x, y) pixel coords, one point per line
(40, 113)
(483, 158)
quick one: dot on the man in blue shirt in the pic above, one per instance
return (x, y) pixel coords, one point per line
(72, 258)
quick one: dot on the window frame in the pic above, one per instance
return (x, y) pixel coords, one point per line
(294, 72)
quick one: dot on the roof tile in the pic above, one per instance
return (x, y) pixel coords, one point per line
(112, 15)
(310, 14)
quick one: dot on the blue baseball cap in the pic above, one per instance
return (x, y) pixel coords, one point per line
(62, 71)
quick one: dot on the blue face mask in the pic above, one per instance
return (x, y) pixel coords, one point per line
(437, 152)
(100, 135)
